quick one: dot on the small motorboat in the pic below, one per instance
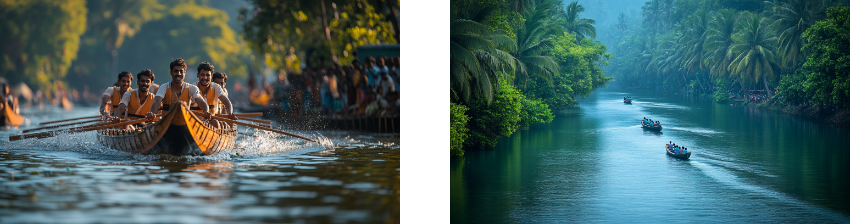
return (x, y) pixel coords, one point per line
(654, 128)
(677, 155)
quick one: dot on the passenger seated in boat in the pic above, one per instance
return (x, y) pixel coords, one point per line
(136, 103)
(213, 94)
(111, 98)
(177, 90)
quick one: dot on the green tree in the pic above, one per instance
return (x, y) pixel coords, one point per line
(498, 119)
(459, 131)
(581, 27)
(754, 50)
(534, 112)
(827, 68)
(285, 31)
(40, 40)
(533, 38)
(622, 24)
(792, 18)
(719, 42)
(477, 57)
(193, 32)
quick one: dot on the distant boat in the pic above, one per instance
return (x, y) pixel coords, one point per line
(654, 128)
(629, 101)
(677, 155)
(9, 117)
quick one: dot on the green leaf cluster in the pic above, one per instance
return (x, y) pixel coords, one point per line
(459, 131)
(581, 72)
(827, 69)
(534, 112)
(39, 40)
(500, 118)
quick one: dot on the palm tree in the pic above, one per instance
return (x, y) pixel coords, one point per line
(719, 41)
(582, 28)
(477, 56)
(622, 24)
(658, 14)
(692, 43)
(533, 38)
(652, 15)
(793, 17)
(754, 50)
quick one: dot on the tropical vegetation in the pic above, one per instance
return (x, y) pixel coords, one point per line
(789, 51)
(517, 63)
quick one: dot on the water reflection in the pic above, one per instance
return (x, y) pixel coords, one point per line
(339, 186)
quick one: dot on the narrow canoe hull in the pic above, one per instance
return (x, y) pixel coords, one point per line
(9, 117)
(658, 128)
(179, 132)
(677, 155)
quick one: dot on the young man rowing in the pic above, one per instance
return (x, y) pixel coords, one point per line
(213, 93)
(113, 95)
(138, 102)
(177, 90)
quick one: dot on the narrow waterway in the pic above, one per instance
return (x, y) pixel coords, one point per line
(594, 163)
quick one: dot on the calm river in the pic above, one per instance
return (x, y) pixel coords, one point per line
(594, 163)
(265, 179)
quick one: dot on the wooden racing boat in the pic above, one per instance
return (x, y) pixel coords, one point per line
(654, 128)
(629, 101)
(178, 132)
(9, 117)
(677, 155)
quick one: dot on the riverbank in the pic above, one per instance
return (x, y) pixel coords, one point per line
(819, 114)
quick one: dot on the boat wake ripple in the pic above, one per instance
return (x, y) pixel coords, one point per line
(727, 177)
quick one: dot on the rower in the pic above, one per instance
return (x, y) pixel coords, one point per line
(137, 102)
(176, 90)
(220, 78)
(113, 95)
(212, 92)
(8, 97)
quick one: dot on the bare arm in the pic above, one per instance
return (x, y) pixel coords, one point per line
(155, 107)
(120, 110)
(227, 104)
(202, 104)
(103, 101)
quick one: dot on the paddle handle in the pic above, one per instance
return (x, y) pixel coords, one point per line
(72, 119)
(74, 130)
(263, 128)
(240, 118)
(61, 125)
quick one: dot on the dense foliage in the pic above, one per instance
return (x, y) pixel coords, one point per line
(534, 112)
(40, 39)
(48, 44)
(514, 63)
(756, 48)
(289, 31)
(500, 118)
(828, 66)
(459, 132)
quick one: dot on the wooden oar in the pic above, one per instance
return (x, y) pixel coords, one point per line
(61, 125)
(72, 119)
(257, 114)
(74, 130)
(263, 128)
(241, 118)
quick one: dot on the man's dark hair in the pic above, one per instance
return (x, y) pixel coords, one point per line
(178, 62)
(206, 66)
(219, 75)
(125, 74)
(146, 72)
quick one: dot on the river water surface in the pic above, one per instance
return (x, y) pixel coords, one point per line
(267, 178)
(594, 163)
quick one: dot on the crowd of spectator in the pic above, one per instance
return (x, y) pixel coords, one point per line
(353, 89)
